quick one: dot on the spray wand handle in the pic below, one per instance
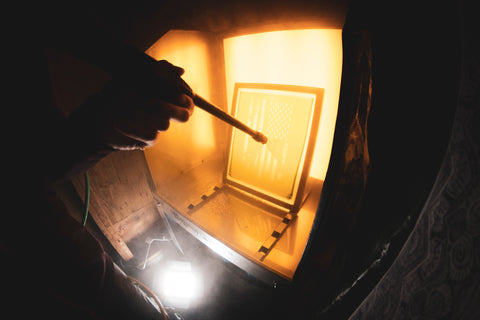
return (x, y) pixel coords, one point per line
(209, 107)
(222, 115)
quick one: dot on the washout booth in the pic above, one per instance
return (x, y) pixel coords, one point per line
(346, 98)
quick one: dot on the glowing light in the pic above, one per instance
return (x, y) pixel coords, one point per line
(286, 115)
(295, 57)
(179, 284)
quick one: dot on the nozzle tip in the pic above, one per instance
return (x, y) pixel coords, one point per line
(260, 137)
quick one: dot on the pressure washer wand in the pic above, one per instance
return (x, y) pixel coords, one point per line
(222, 115)
(209, 107)
(124, 61)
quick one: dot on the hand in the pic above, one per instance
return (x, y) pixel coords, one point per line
(137, 126)
(131, 119)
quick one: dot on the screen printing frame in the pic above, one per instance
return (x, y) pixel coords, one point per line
(294, 200)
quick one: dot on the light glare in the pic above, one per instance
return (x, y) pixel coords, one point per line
(311, 58)
(180, 285)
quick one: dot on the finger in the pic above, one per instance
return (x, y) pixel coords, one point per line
(120, 141)
(143, 128)
(186, 102)
(163, 68)
(151, 123)
(136, 132)
(179, 114)
(178, 70)
(169, 110)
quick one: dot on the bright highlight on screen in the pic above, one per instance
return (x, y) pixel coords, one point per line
(309, 57)
(286, 115)
(180, 285)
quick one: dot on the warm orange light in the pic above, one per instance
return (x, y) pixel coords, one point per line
(287, 115)
(183, 142)
(295, 57)
(271, 166)
(189, 161)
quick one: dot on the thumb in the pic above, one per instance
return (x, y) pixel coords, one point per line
(165, 68)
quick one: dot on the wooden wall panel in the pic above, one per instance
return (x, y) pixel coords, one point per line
(120, 197)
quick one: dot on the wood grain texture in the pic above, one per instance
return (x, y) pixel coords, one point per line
(120, 197)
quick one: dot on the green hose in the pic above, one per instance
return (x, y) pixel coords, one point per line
(87, 197)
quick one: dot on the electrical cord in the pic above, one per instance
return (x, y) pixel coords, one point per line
(141, 284)
(152, 294)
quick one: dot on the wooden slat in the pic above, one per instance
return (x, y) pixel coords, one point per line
(136, 223)
(119, 187)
